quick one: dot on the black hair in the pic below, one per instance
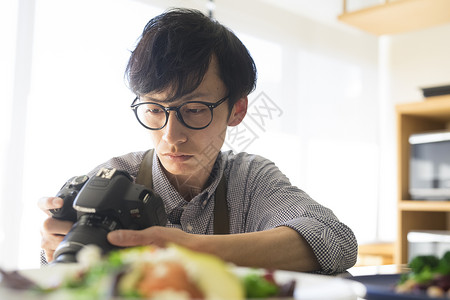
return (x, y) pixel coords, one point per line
(174, 52)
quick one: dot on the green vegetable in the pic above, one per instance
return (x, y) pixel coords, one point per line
(425, 268)
(444, 264)
(257, 286)
(424, 262)
(115, 258)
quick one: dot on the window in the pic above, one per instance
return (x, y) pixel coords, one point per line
(78, 103)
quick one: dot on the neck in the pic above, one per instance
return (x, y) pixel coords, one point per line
(193, 184)
(190, 186)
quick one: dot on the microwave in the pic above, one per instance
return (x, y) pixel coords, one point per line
(428, 242)
(429, 167)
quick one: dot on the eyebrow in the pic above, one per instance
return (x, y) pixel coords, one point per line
(188, 97)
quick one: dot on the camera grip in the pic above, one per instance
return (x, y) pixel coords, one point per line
(68, 193)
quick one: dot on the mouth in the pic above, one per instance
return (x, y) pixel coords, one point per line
(177, 157)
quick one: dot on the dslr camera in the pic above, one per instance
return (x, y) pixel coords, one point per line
(98, 205)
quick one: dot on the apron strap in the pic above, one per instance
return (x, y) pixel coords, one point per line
(144, 176)
(221, 217)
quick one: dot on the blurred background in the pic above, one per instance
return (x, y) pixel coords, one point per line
(65, 104)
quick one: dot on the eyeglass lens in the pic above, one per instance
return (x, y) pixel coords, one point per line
(193, 114)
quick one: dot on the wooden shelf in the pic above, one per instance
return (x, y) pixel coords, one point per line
(414, 205)
(375, 254)
(428, 115)
(399, 16)
(437, 108)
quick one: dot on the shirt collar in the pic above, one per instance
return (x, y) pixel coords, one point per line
(170, 195)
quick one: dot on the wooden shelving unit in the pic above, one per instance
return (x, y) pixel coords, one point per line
(412, 205)
(417, 117)
(398, 16)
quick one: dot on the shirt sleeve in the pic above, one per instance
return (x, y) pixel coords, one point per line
(274, 202)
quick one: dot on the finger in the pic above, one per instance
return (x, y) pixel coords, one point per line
(46, 203)
(55, 226)
(127, 238)
(49, 255)
(155, 235)
(51, 242)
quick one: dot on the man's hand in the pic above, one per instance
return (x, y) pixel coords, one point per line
(155, 235)
(52, 230)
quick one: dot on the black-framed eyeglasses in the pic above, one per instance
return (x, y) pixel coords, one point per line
(193, 114)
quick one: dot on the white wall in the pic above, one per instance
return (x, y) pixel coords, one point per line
(327, 88)
(419, 59)
(409, 62)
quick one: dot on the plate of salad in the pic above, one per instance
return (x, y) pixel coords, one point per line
(428, 278)
(173, 272)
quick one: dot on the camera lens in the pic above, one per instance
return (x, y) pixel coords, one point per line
(90, 229)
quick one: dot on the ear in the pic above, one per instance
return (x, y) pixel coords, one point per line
(238, 112)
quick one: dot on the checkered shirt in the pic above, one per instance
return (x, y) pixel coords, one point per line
(259, 197)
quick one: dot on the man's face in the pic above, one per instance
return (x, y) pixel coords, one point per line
(186, 152)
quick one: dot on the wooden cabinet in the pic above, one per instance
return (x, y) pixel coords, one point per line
(428, 115)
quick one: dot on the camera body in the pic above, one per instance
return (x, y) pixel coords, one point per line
(98, 205)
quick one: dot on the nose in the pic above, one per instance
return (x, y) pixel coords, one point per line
(174, 131)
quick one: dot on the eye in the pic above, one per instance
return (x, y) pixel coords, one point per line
(195, 109)
(152, 109)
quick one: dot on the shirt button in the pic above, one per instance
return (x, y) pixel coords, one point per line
(189, 227)
(204, 202)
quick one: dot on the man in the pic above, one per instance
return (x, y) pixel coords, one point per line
(192, 77)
